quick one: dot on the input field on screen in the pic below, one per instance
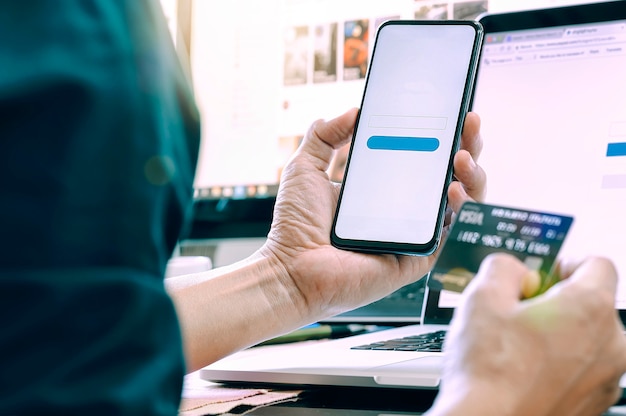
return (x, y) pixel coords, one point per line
(613, 182)
(408, 122)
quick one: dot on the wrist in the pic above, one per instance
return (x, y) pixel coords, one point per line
(286, 285)
(238, 305)
(281, 293)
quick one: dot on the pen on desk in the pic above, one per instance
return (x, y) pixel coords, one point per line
(319, 332)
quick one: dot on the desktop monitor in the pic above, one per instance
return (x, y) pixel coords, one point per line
(551, 94)
(263, 71)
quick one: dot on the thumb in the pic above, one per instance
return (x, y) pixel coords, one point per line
(499, 279)
(325, 136)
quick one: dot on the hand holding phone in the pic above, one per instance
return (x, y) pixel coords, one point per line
(418, 89)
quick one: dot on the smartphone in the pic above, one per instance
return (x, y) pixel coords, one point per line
(418, 88)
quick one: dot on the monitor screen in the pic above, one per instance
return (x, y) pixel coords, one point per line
(553, 107)
(262, 73)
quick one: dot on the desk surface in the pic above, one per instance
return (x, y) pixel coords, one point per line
(318, 401)
(338, 402)
(330, 401)
(202, 397)
(352, 402)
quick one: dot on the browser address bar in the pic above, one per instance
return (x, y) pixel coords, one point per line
(535, 46)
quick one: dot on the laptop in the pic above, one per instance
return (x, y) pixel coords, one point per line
(398, 308)
(551, 93)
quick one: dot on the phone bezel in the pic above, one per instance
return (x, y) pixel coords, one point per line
(429, 247)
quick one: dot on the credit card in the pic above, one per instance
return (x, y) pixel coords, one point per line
(479, 229)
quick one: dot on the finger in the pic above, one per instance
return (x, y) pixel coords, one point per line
(324, 136)
(471, 181)
(338, 164)
(470, 138)
(499, 279)
(456, 198)
(593, 272)
(565, 267)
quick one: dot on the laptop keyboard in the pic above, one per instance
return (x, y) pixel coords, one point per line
(429, 342)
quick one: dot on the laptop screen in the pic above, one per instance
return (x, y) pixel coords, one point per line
(552, 101)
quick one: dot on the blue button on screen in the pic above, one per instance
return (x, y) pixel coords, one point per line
(616, 149)
(416, 144)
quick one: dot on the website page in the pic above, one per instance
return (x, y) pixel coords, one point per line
(553, 110)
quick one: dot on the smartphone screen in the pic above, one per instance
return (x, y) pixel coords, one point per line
(417, 93)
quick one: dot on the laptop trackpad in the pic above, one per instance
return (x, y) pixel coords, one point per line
(419, 372)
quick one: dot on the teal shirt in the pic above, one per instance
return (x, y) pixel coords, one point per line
(98, 144)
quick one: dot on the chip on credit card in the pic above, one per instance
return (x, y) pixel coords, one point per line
(479, 229)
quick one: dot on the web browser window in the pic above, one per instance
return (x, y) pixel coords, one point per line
(553, 110)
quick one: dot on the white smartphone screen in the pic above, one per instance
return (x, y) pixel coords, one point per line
(416, 94)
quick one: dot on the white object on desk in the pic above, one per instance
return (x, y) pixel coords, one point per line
(178, 266)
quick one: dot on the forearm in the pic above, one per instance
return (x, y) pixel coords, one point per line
(231, 308)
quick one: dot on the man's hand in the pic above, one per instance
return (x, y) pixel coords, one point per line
(297, 277)
(561, 353)
(330, 280)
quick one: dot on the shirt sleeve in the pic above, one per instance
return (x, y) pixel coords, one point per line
(98, 143)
